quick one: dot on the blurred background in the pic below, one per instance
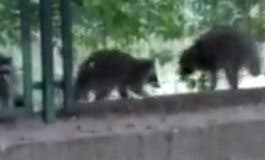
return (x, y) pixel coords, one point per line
(159, 29)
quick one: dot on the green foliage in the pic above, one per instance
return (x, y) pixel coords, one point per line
(123, 23)
(126, 21)
(9, 25)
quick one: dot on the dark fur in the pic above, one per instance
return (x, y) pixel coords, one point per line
(221, 48)
(6, 81)
(153, 80)
(109, 69)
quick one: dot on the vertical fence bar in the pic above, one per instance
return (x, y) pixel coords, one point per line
(47, 60)
(66, 31)
(26, 51)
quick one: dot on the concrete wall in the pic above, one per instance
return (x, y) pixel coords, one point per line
(223, 133)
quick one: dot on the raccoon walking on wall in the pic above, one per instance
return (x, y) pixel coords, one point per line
(109, 69)
(221, 48)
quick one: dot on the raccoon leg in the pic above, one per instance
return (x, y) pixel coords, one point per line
(80, 93)
(101, 93)
(138, 89)
(213, 80)
(123, 91)
(232, 75)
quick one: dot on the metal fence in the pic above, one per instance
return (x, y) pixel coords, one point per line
(47, 85)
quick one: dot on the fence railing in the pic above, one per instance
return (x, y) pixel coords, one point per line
(48, 84)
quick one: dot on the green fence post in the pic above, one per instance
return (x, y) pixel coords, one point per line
(26, 51)
(66, 30)
(47, 60)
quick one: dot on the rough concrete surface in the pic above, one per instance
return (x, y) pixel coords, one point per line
(236, 133)
(225, 134)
